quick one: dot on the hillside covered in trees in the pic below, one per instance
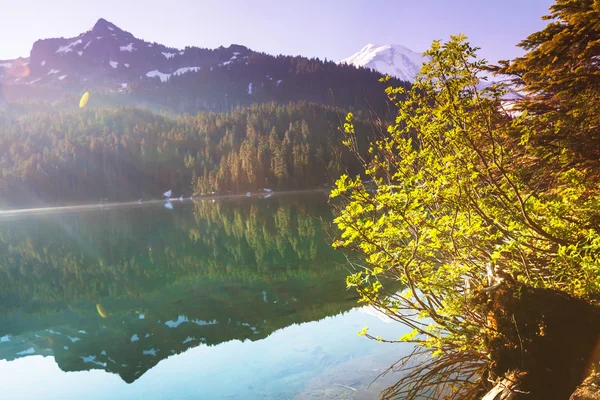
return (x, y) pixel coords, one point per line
(265, 78)
(82, 156)
(194, 120)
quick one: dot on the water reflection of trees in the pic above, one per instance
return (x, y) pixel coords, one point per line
(129, 253)
(235, 269)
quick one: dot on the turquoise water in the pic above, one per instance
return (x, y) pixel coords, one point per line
(232, 299)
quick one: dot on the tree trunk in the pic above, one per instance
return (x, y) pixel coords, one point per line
(589, 389)
(546, 343)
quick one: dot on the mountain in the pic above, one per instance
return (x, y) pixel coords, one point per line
(194, 120)
(390, 59)
(107, 55)
(121, 69)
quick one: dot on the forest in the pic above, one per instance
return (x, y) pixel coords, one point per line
(269, 122)
(261, 78)
(280, 79)
(120, 154)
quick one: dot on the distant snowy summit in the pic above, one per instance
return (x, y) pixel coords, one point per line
(389, 59)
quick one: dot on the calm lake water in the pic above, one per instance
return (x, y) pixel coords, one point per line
(227, 299)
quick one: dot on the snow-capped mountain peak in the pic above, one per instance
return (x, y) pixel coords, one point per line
(107, 55)
(104, 26)
(390, 59)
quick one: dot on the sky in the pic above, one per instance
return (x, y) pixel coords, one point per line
(332, 29)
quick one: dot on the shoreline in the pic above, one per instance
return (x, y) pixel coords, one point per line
(104, 206)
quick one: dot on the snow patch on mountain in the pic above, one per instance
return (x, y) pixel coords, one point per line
(156, 73)
(128, 48)
(113, 64)
(390, 59)
(165, 77)
(68, 48)
(168, 55)
(181, 71)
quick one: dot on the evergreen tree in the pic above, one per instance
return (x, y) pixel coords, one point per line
(559, 77)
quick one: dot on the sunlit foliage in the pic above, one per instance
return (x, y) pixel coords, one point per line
(455, 210)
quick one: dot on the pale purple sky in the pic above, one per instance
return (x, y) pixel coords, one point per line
(332, 29)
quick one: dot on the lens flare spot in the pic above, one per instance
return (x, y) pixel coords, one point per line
(84, 99)
(101, 311)
(19, 71)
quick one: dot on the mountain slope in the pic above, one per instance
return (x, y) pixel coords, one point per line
(125, 153)
(121, 69)
(390, 59)
(108, 55)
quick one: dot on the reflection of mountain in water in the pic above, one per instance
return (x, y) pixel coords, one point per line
(167, 280)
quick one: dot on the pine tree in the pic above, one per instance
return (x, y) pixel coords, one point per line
(560, 79)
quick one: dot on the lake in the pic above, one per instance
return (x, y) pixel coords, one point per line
(238, 298)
